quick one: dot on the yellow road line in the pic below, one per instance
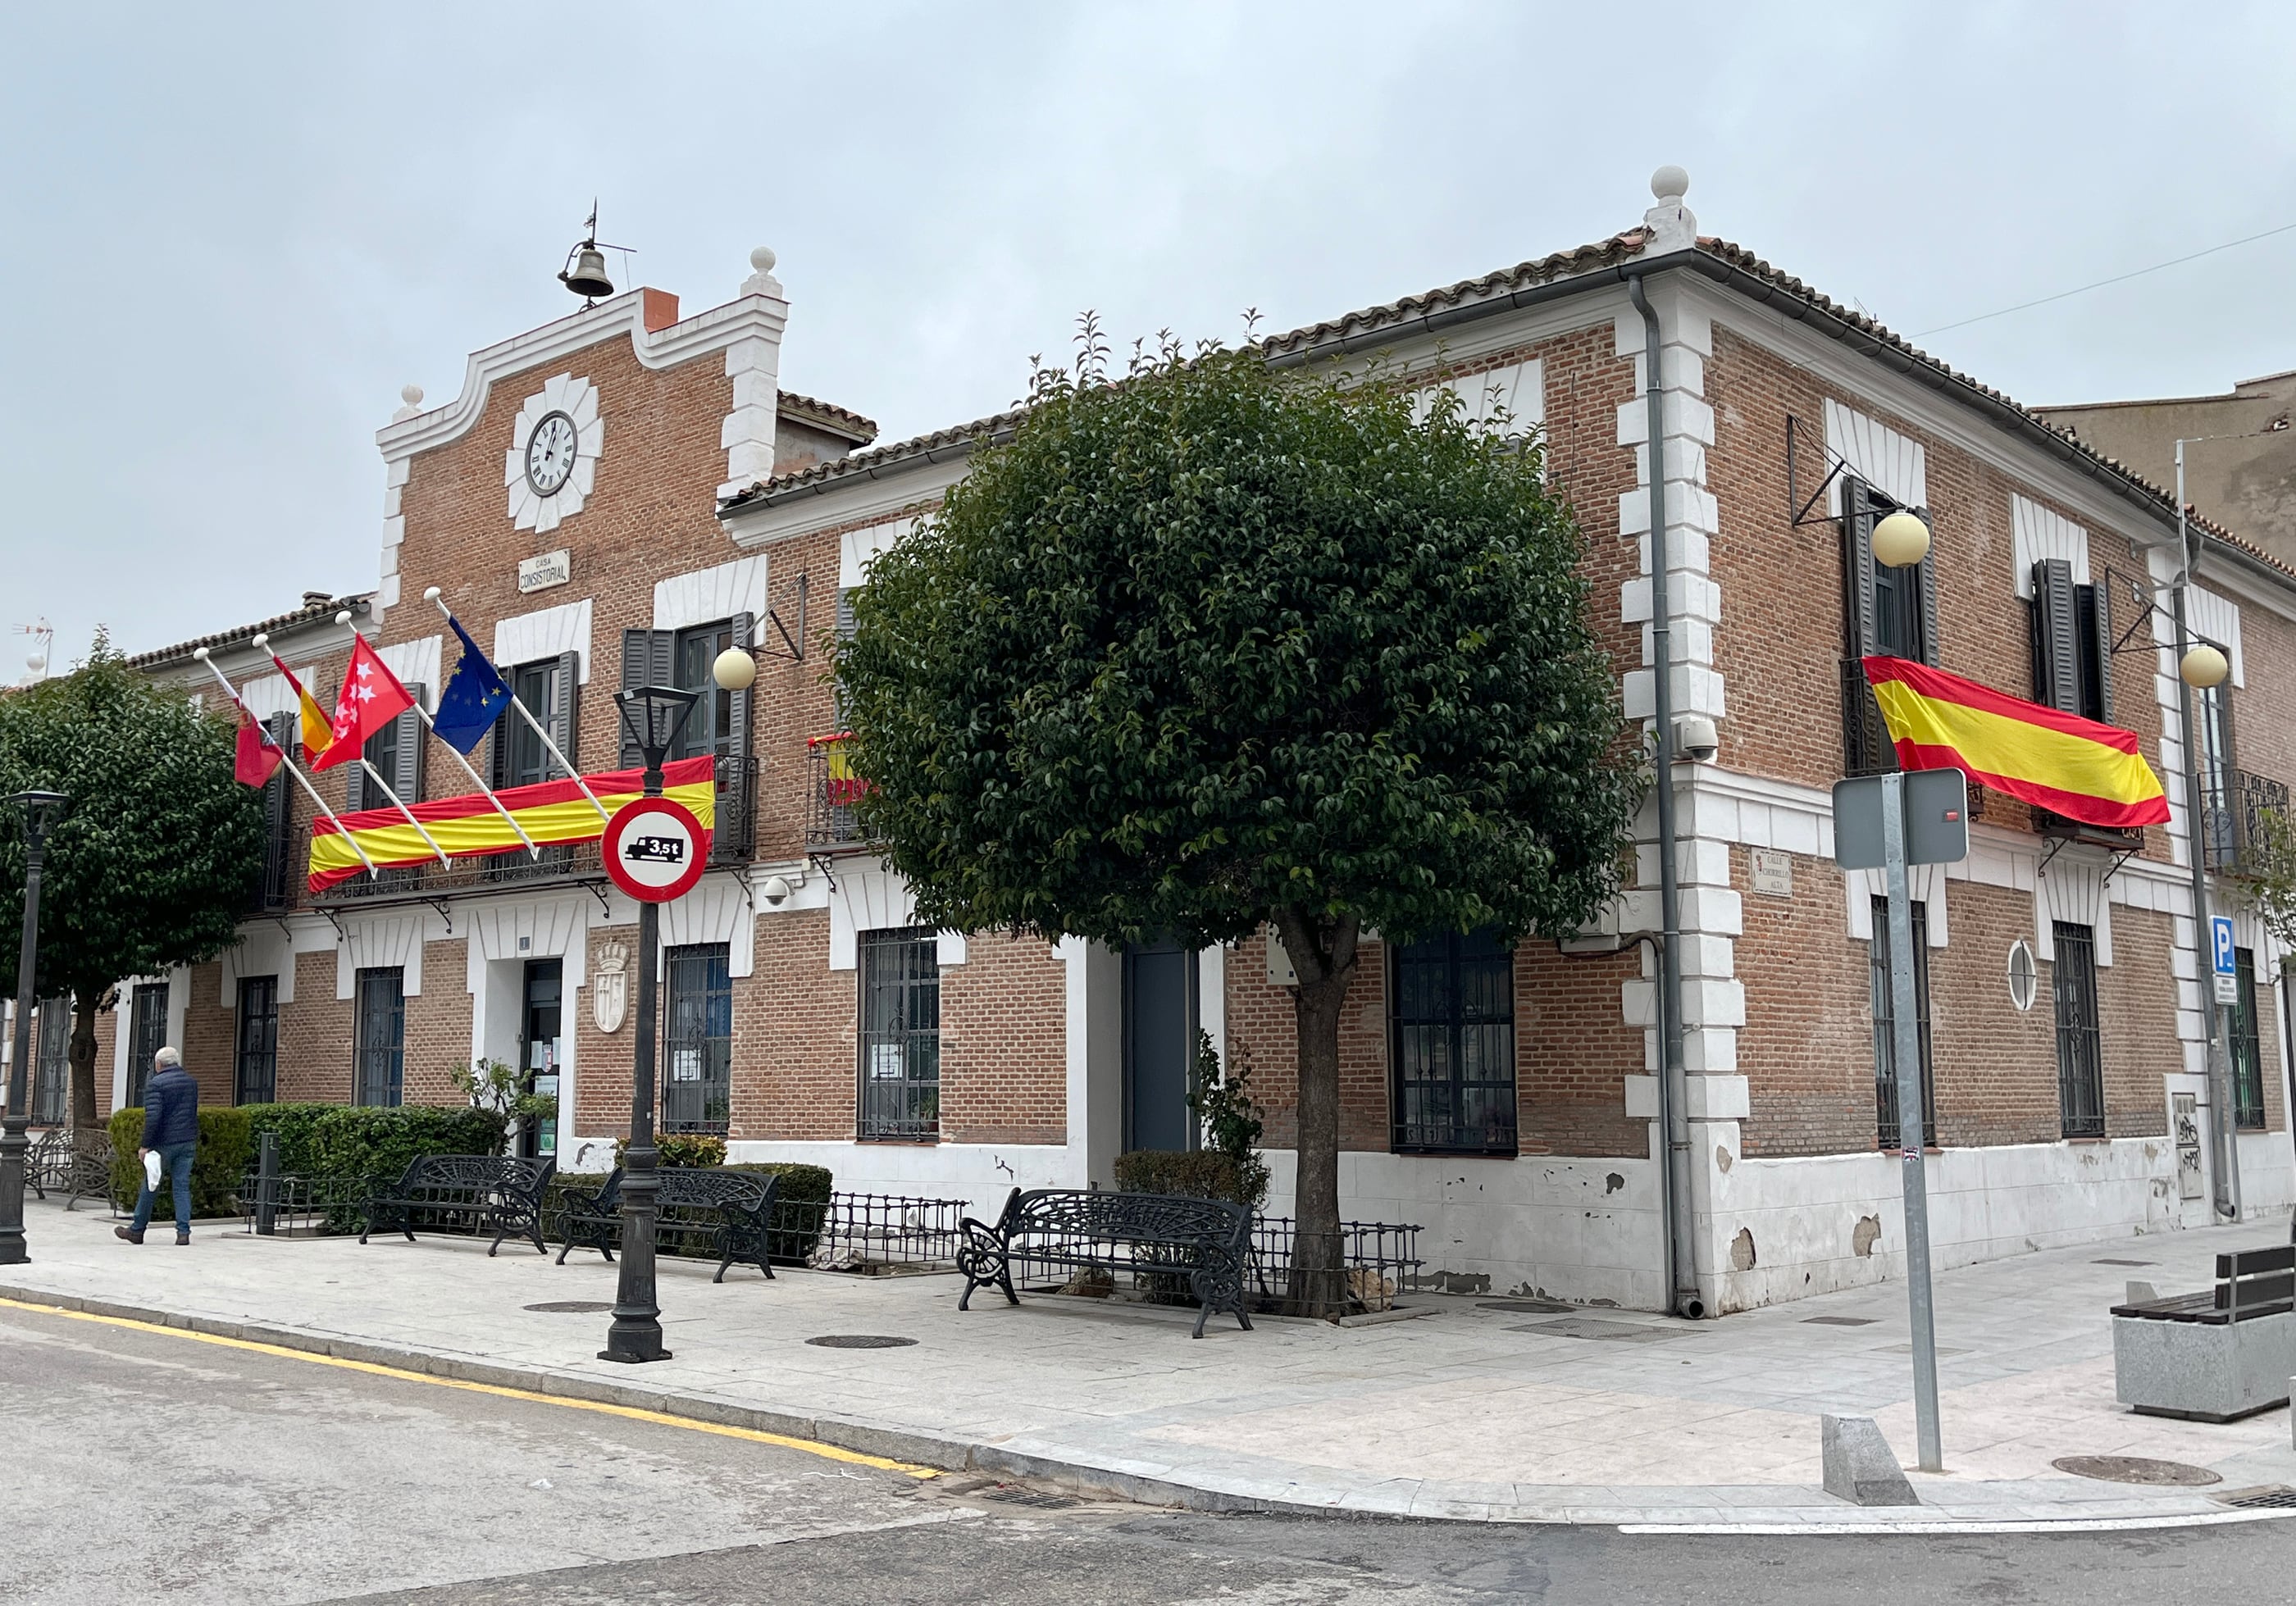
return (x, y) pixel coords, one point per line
(631, 1412)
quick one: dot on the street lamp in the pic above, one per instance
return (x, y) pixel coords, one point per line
(40, 808)
(654, 716)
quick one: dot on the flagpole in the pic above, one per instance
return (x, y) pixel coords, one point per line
(397, 802)
(527, 714)
(321, 803)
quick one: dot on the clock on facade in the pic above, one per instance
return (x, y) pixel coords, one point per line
(552, 458)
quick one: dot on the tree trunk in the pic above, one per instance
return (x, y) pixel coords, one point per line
(1324, 957)
(85, 1005)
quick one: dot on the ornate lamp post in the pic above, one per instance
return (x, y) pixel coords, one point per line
(654, 716)
(40, 808)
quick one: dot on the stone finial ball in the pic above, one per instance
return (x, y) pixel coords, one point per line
(412, 395)
(763, 259)
(1670, 183)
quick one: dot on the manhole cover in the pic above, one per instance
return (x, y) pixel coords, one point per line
(2124, 1263)
(2135, 1469)
(1584, 1327)
(573, 1307)
(1007, 1495)
(860, 1340)
(1838, 1321)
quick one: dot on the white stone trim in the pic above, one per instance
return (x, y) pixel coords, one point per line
(857, 549)
(552, 927)
(858, 496)
(414, 662)
(262, 950)
(577, 399)
(1894, 464)
(2037, 532)
(717, 911)
(710, 594)
(2073, 889)
(870, 897)
(1518, 390)
(2210, 614)
(526, 638)
(1924, 884)
(380, 941)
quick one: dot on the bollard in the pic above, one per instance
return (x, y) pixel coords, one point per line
(267, 1184)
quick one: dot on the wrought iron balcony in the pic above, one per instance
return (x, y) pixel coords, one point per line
(831, 789)
(2119, 839)
(565, 862)
(733, 835)
(2233, 806)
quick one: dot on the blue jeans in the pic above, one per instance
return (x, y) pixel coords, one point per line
(176, 1158)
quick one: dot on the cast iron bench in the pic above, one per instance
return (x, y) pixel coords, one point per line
(445, 1191)
(2215, 1355)
(736, 1208)
(1208, 1240)
(77, 1169)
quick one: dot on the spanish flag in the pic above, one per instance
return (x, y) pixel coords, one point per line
(2053, 760)
(550, 811)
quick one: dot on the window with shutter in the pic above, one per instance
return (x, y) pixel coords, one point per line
(647, 660)
(2057, 637)
(565, 727)
(278, 821)
(847, 626)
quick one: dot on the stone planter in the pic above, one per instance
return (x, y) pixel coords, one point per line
(2206, 1371)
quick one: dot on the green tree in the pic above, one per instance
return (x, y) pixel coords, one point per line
(158, 852)
(1214, 648)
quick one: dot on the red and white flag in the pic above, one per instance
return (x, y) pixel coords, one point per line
(371, 698)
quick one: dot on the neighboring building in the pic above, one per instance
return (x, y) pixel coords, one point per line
(702, 506)
(2240, 456)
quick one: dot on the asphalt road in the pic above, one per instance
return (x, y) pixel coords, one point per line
(140, 1465)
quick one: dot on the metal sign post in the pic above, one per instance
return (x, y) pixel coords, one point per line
(1888, 822)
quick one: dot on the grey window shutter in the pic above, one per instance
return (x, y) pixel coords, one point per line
(498, 750)
(2100, 646)
(648, 660)
(355, 787)
(279, 810)
(847, 628)
(1929, 590)
(734, 739)
(1856, 565)
(409, 742)
(564, 723)
(2057, 637)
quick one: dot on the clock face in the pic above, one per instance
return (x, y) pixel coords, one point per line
(549, 454)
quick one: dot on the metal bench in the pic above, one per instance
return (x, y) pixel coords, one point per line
(448, 1193)
(1207, 1242)
(2223, 1353)
(77, 1164)
(733, 1210)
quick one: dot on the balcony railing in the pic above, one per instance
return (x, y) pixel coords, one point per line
(733, 836)
(1866, 748)
(561, 862)
(831, 789)
(2232, 805)
(2119, 839)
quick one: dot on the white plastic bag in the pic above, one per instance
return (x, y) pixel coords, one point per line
(151, 1169)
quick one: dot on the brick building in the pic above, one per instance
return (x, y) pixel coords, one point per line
(622, 494)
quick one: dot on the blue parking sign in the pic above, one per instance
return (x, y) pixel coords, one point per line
(2221, 933)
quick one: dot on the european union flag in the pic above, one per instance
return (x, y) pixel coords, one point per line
(473, 699)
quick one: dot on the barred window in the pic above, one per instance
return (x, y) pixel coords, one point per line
(2080, 1060)
(697, 1089)
(379, 1073)
(51, 1093)
(147, 1034)
(257, 1081)
(1885, 1042)
(1451, 1044)
(901, 1034)
(2247, 1048)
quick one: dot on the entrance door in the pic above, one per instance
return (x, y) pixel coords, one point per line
(539, 1049)
(1160, 1041)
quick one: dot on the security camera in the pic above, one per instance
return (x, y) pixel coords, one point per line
(775, 891)
(1695, 740)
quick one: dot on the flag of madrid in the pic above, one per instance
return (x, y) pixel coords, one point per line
(371, 698)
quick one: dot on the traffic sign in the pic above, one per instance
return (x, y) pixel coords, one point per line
(2224, 953)
(1937, 819)
(655, 849)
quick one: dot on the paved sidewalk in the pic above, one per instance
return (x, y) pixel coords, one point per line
(1480, 1409)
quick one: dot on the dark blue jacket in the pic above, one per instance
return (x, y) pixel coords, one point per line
(171, 1109)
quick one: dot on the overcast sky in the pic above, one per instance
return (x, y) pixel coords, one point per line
(233, 233)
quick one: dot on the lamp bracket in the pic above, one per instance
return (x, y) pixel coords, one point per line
(792, 648)
(1798, 509)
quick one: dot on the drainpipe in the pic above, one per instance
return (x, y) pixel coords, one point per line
(2223, 1139)
(1673, 1091)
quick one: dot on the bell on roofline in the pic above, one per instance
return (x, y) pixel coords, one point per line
(585, 271)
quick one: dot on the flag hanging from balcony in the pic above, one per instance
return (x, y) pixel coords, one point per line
(2054, 760)
(550, 812)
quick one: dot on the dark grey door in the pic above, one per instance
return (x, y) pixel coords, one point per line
(1159, 1036)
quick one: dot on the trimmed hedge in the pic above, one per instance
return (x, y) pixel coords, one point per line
(226, 1150)
(314, 1140)
(680, 1149)
(801, 1204)
(1190, 1174)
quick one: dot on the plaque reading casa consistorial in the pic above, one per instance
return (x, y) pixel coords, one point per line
(550, 568)
(609, 988)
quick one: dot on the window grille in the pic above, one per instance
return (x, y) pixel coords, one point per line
(1885, 1049)
(380, 1074)
(147, 1034)
(901, 1034)
(697, 1087)
(2246, 1049)
(257, 1080)
(51, 1094)
(2080, 1057)
(1451, 1044)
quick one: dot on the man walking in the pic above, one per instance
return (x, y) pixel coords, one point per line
(171, 1129)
